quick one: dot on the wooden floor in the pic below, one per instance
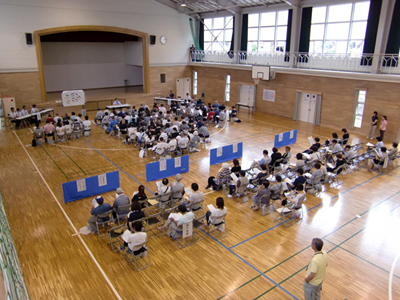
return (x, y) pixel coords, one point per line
(259, 259)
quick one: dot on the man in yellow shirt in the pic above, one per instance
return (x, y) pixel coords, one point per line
(315, 271)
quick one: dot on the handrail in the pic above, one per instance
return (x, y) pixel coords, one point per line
(350, 62)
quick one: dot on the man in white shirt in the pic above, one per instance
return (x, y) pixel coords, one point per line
(162, 108)
(35, 118)
(160, 147)
(194, 198)
(163, 135)
(136, 239)
(57, 118)
(183, 142)
(176, 220)
(13, 115)
(177, 188)
(116, 102)
(24, 112)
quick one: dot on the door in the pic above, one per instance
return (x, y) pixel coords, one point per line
(182, 87)
(247, 95)
(307, 107)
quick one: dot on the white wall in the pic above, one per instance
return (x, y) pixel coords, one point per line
(133, 53)
(87, 65)
(20, 16)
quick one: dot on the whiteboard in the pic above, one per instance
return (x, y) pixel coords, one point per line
(73, 98)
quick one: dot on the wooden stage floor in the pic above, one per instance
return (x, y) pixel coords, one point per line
(259, 259)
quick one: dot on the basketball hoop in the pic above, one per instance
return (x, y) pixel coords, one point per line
(257, 80)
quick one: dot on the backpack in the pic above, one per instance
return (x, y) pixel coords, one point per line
(34, 143)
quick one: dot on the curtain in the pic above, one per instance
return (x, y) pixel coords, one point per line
(201, 35)
(371, 32)
(317, 115)
(296, 106)
(230, 52)
(393, 43)
(288, 35)
(194, 35)
(243, 40)
(305, 29)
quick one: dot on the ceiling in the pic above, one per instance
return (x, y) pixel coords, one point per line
(205, 6)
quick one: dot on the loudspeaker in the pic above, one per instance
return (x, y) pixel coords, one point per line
(152, 40)
(28, 37)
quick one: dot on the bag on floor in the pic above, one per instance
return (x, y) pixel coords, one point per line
(34, 143)
(141, 153)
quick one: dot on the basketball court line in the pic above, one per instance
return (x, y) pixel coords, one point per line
(70, 222)
(324, 238)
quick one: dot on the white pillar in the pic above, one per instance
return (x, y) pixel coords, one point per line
(295, 34)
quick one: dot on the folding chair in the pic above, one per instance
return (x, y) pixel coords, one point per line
(196, 207)
(131, 257)
(265, 208)
(167, 212)
(315, 185)
(122, 213)
(60, 136)
(334, 176)
(39, 139)
(287, 212)
(218, 224)
(114, 235)
(153, 221)
(104, 220)
(197, 230)
(183, 233)
(68, 131)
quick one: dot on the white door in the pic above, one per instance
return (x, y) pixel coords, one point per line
(307, 107)
(182, 87)
(247, 94)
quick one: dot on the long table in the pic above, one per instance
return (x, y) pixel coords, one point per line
(167, 100)
(118, 106)
(250, 107)
(38, 114)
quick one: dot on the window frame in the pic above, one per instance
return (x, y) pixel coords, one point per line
(194, 82)
(227, 94)
(357, 102)
(221, 39)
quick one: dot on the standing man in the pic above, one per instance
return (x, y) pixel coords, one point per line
(372, 128)
(315, 271)
(193, 52)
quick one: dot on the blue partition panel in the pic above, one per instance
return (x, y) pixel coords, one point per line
(217, 156)
(286, 138)
(158, 170)
(90, 186)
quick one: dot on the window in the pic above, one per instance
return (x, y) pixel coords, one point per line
(227, 87)
(267, 31)
(218, 34)
(359, 108)
(194, 89)
(339, 29)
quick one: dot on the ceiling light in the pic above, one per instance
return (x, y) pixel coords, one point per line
(183, 4)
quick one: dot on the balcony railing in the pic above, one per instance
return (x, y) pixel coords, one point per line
(360, 63)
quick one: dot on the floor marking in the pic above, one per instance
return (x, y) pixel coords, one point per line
(70, 222)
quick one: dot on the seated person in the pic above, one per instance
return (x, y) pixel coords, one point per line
(335, 147)
(98, 208)
(203, 132)
(133, 238)
(183, 142)
(60, 129)
(123, 127)
(262, 190)
(116, 102)
(340, 161)
(222, 177)
(50, 119)
(172, 223)
(218, 212)
(160, 147)
(265, 160)
(315, 155)
(348, 153)
(276, 155)
(292, 199)
(287, 155)
(393, 152)
(379, 159)
(113, 125)
(262, 174)
(316, 144)
(316, 176)
(380, 143)
(239, 186)
(120, 200)
(236, 166)
(86, 124)
(177, 188)
(196, 197)
(99, 116)
(140, 195)
(299, 161)
(163, 189)
(278, 188)
(300, 179)
(233, 113)
(49, 130)
(345, 136)
(194, 142)
(334, 137)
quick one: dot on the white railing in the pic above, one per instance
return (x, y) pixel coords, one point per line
(360, 63)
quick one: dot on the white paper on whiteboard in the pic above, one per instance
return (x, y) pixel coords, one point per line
(234, 148)
(291, 134)
(102, 179)
(219, 151)
(163, 165)
(177, 162)
(81, 185)
(280, 137)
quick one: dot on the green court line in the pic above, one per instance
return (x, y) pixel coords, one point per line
(364, 259)
(72, 160)
(54, 162)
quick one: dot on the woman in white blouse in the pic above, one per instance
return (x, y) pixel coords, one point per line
(216, 213)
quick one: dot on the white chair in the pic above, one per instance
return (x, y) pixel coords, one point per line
(218, 224)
